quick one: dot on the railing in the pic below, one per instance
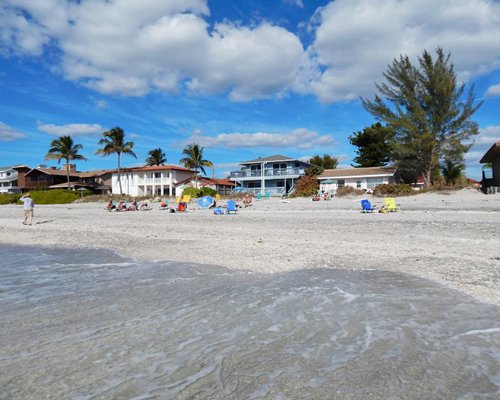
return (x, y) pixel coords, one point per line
(153, 181)
(267, 172)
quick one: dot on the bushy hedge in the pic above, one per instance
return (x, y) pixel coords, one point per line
(306, 186)
(194, 192)
(58, 196)
(393, 189)
(348, 191)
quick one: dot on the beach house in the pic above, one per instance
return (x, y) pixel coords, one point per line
(492, 156)
(150, 181)
(275, 175)
(8, 180)
(359, 178)
(223, 187)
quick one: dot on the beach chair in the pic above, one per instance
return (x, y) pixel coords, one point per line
(178, 199)
(366, 206)
(182, 206)
(186, 198)
(267, 195)
(217, 196)
(231, 207)
(391, 205)
(258, 196)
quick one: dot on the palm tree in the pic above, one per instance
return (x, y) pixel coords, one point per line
(156, 157)
(194, 159)
(64, 148)
(452, 171)
(113, 142)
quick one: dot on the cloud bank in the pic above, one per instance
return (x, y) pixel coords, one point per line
(70, 129)
(134, 48)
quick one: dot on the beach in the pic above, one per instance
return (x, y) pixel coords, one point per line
(448, 237)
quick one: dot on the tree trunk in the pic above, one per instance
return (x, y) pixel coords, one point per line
(119, 176)
(67, 173)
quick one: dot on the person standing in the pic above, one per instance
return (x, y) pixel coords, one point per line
(29, 204)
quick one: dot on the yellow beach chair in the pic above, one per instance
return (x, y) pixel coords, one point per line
(391, 205)
(186, 198)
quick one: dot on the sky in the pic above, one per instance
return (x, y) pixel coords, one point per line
(243, 78)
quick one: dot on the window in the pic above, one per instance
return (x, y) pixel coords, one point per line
(157, 174)
(372, 182)
(280, 183)
(254, 184)
(158, 191)
(358, 184)
(341, 182)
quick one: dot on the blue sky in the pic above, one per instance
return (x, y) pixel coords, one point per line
(244, 78)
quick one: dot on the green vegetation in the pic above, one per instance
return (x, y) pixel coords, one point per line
(64, 148)
(374, 146)
(348, 191)
(393, 189)
(324, 162)
(156, 157)
(194, 159)
(306, 186)
(426, 109)
(113, 142)
(58, 196)
(194, 192)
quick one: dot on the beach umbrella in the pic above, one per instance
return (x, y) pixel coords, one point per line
(205, 201)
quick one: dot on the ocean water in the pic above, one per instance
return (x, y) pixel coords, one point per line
(88, 324)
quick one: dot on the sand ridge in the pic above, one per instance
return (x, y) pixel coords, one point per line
(451, 237)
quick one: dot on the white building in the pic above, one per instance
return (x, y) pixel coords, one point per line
(8, 180)
(150, 181)
(359, 178)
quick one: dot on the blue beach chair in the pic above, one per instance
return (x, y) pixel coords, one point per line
(366, 206)
(231, 207)
(258, 196)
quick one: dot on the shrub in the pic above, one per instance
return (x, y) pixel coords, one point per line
(348, 191)
(393, 189)
(306, 186)
(9, 198)
(194, 192)
(57, 196)
(206, 191)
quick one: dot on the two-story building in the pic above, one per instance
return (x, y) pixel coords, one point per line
(8, 180)
(275, 175)
(150, 181)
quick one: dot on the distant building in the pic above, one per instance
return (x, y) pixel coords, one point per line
(492, 156)
(150, 181)
(223, 187)
(359, 178)
(8, 180)
(275, 175)
(44, 178)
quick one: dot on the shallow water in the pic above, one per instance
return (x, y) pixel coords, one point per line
(89, 324)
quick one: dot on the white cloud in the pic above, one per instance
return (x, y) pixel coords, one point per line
(297, 3)
(70, 129)
(357, 39)
(8, 134)
(493, 90)
(482, 142)
(299, 138)
(132, 48)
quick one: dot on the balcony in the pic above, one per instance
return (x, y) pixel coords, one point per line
(154, 181)
(257, 174)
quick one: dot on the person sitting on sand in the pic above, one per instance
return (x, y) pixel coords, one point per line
(121, 206)
(132, 206)
(247, 200)
(110, 205)
(315, 197)
(163, 205)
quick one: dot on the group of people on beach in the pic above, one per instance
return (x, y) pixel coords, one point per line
(125, 206)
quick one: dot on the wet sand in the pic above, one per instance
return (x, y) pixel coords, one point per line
(452, 238)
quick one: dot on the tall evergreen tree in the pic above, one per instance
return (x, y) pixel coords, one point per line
(156, 157)
(326, 161)
(426, 109)
(64, 148)
(113, 142)
(374, 145)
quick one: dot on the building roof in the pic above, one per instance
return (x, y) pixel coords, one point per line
(53, 171)
(357, 172)
(261, 160)
(491, 154)
(99, 172)
(158, 168)
(205, 181)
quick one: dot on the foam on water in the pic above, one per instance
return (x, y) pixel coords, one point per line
(89, 324)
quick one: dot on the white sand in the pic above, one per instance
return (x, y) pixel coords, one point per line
(452, 238)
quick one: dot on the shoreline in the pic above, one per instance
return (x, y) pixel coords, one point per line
(448, 238)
